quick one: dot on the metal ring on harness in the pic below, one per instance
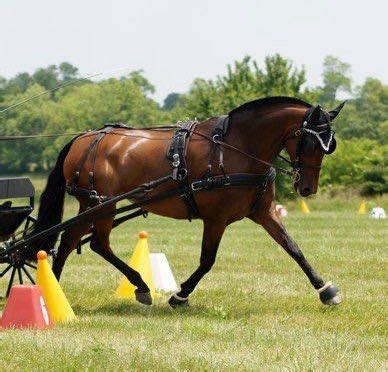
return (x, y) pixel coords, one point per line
(176, 161)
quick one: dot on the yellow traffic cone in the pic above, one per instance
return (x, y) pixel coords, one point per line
(56, 301)
(362, 207)
(140, 261)
(303, 206)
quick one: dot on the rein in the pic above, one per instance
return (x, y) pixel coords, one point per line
(32, 136)
(236, 149)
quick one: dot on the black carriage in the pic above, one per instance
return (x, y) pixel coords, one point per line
(16, 206)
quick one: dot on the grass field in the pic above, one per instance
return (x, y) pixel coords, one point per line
(255, 310)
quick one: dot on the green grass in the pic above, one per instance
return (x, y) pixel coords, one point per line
(255, 310)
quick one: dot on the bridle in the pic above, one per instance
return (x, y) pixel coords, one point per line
(300, 134)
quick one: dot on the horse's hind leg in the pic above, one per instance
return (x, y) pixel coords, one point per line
(100, 244)
(272, 224)
(69, 240)
(212, 234)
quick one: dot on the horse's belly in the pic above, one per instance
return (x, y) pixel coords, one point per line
(228, 205)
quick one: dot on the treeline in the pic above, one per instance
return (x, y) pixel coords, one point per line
(362, 128)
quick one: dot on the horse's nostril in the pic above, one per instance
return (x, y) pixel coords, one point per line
(306, 191)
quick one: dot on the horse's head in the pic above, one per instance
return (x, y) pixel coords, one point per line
(307, 146)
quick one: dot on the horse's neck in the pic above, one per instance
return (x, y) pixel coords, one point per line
(263, 134)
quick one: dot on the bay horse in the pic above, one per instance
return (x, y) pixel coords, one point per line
(124, 158)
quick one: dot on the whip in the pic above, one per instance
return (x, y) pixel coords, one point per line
(63, 85)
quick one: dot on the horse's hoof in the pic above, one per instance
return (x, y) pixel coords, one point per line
(329, 294)
(143, 297)
(176, 301)
(336, 300)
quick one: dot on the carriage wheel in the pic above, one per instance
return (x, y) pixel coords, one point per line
(15, 262)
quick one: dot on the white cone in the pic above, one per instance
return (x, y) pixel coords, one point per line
(377, 213)
(161, 272)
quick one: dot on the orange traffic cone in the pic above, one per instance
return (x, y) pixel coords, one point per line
(140, 261)
(57, 304)
(25, 308)
(362, 207)
(303, 206)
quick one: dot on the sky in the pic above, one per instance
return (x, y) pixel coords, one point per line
(175, 41)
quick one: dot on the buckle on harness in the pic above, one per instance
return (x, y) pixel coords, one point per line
(210, 183)
(197, 185)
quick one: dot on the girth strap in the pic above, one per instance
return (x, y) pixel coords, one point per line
(234, 180)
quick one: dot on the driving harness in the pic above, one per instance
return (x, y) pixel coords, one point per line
(176, 153)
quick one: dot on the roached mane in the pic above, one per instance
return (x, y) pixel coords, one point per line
(259, 103)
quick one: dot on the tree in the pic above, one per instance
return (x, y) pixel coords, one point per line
(67, 71)
(141, 82)
(20, 83)
(358, 164)
(171, 101)
(3, 87)
(280, 77)
(335, 79)
(31, 118)
(47, 77)
(245, 81)
(366, 115)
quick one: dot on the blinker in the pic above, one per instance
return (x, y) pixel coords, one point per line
(325, 139)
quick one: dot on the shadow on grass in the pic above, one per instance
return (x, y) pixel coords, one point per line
(213, 310)
(125, 308)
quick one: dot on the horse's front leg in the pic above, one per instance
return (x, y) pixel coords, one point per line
(212, 234)
(272, 224)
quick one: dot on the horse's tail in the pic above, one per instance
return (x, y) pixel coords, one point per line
(51, 203)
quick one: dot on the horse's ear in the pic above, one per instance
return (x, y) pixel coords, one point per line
(314, 115)
(333, 114)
